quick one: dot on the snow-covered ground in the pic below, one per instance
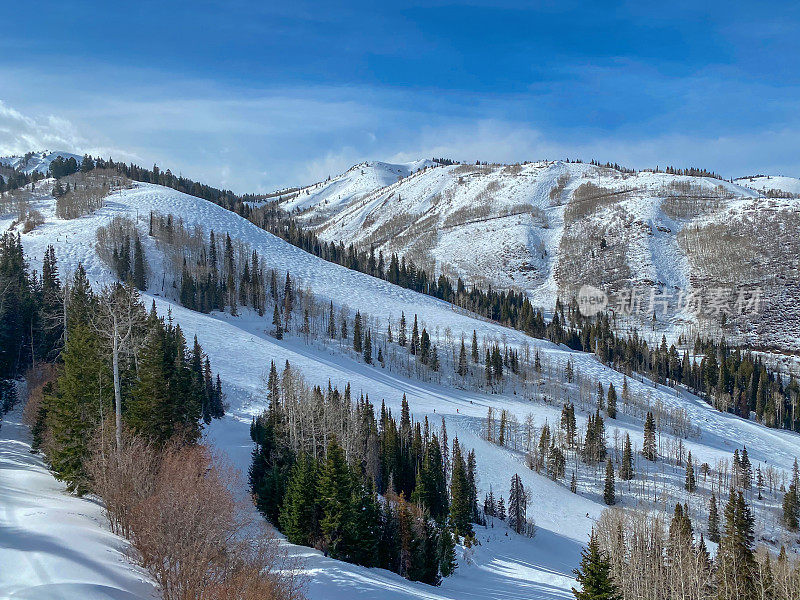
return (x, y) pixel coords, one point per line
(54, 546)
(240, 350)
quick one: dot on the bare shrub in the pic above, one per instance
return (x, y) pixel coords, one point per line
(123, 478)
(182, 530)
(177, 507)
(32, 221)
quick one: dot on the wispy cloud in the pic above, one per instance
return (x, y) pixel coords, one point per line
(20, 133)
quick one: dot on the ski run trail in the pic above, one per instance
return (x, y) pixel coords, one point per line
(56, 546)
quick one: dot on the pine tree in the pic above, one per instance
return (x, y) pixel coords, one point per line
(447, 553)
(401, 335)
(791, 508)
(626, 469)
(594, 575)
(609, 496)
(736, 564)
(299, 519)
(331, 323)
(139, 271)
(414, 348)
(475, 355)
(334, 492)
(746, 470)
(276, 322)
(82, 396)
(611, 402)
(517, 505)
(460, 509)
(461, 368)
(649, 446)
(368, 347)
(690, 483)
(357, 336)
(288, 300)
(713, 519)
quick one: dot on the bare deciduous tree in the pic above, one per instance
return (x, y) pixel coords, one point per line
(119, 320)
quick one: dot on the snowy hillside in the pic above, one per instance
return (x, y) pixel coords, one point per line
(530, 238)
(548, 228)
(765, 183)
(361, 179)
(35, 161)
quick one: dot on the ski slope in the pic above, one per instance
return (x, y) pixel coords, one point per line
(52, 545)
(503, 566)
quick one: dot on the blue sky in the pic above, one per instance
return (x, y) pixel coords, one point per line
(256, 96)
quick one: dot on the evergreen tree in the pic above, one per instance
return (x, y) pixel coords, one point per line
(368, 347)
(609, 495)
(401, 335)
(139, 270)
(690, 483)
(611, 402)
(626, 469)
(357, 336)
(331, 323)
(713, 519)
(460, 509)
(447, 553)
(334, 491)
(736, 564)
(517, 505)
(276, 322)
(461, 368)
(594, 575)
(791, 508)
(299, 518)
(474, 346)
(649, 447)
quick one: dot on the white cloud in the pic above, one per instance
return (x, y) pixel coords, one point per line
(20, 133)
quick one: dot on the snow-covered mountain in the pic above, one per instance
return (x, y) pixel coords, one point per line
(766, 183)
(549, 228)
(504, 565)
(36, 161)
(359, 180)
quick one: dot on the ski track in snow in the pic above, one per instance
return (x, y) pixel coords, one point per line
(240, 351)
